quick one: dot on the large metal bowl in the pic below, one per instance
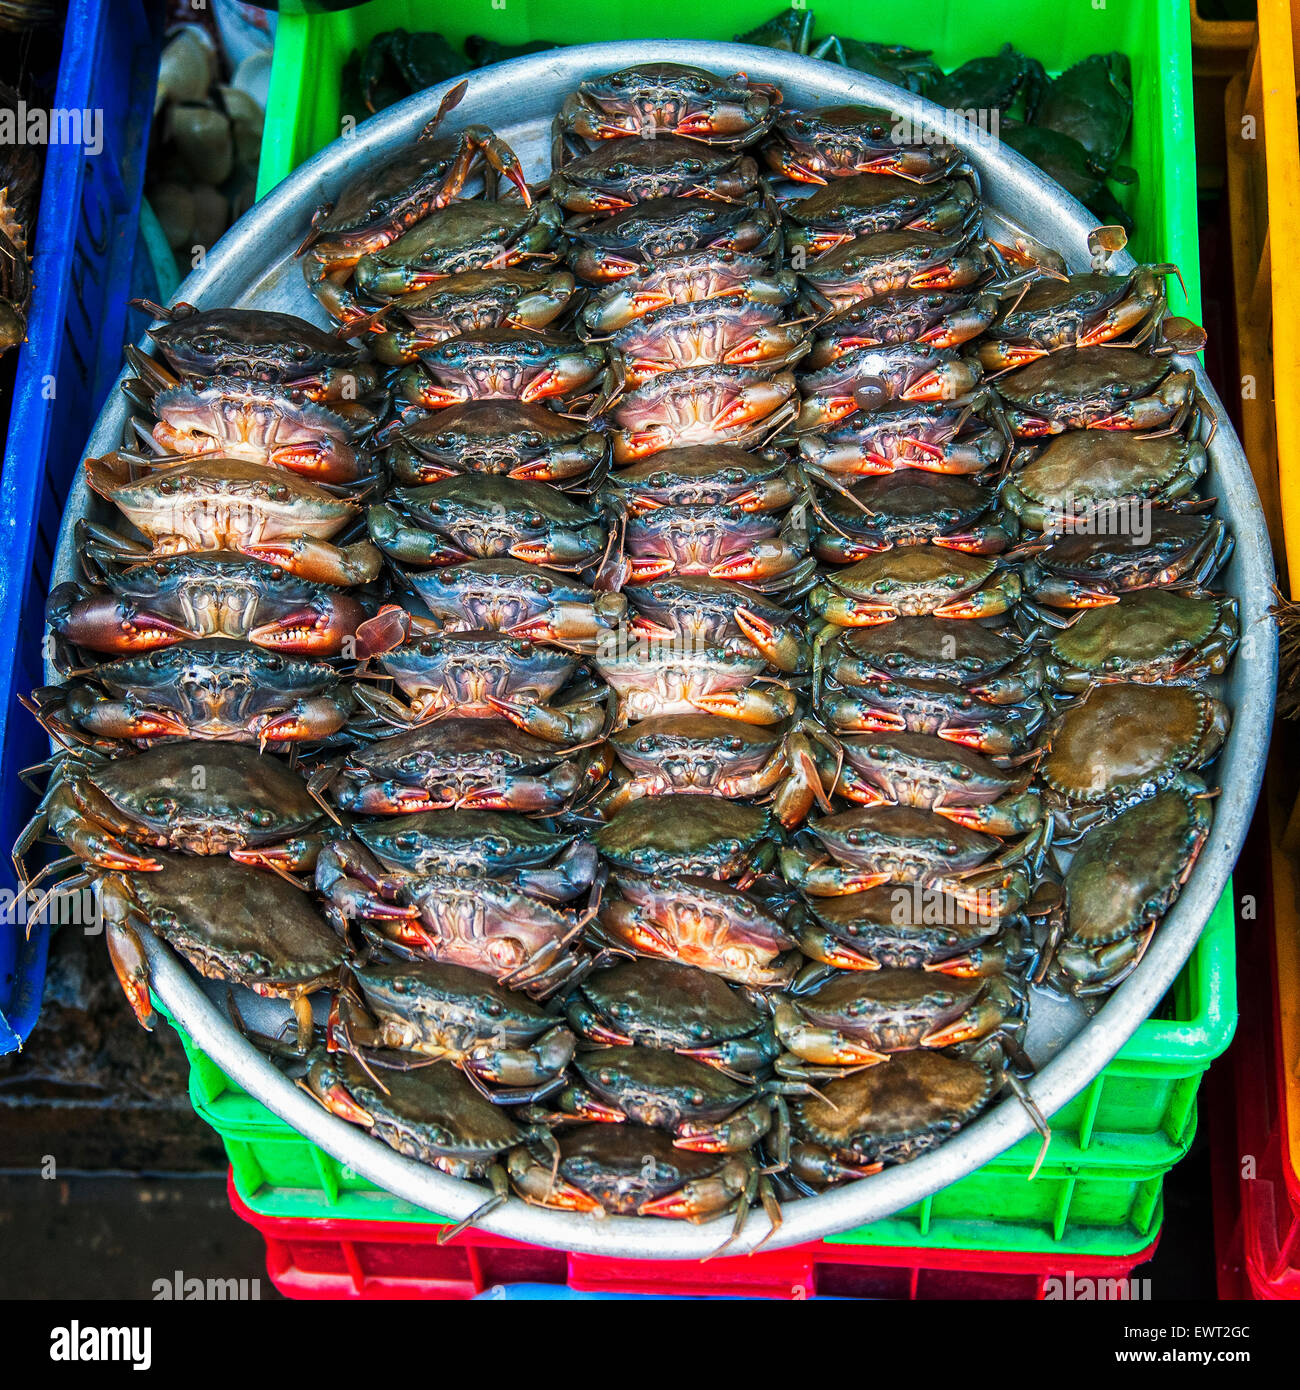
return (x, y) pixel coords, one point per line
(253, 265)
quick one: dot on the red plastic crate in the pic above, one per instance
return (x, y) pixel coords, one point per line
(309, 1258)
(1257, 1213)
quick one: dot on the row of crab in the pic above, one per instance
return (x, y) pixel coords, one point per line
(707, 817)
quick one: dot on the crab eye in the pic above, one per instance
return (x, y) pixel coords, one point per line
(406, 842)
(159, 806)
(618, 171)
(277, 492)
(261, 819)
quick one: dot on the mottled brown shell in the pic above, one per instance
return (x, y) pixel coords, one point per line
(896, 1110)
(1124, 737)
(1127, 873)
(1150, 628)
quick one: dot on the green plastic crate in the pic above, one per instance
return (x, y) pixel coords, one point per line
(303, 112)
(1098, 1190)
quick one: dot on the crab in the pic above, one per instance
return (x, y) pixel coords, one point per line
(500, 363)
(511, 437)
(1124, 875)
(488, 675)
(1083, 472)
(885, 1114)
(896, 926)
(681, 677)
(857, 1019)
(469, 301)
(912, 581)
(431, 1114)
(835, 142)
(230, 921)
(993, 83)
(703, 1108)
(141, 607)
(468, 236)
(941, 318)
(256, 345)
(939, 775)
(1099, 388)
(1120, 744)
(688, 277)
(693, 836)
(721, 540)
(416, 905)
(512, 596)
(961, 681)
(717, 404)
(886, 263)
(656, 99)
(1154, 636)
(718, 613)
(864, 204)
(678, 1008)
(860, 849)
(1105, 556)
(508, 1046)
(215, 688)
(618, 174)
(195, 798)
(381, 203)
(730, 330)
(485, 516)
(631, 1170)
(708, 475)
(711, 755)
(869, 377)
(911, 507)
(656, 230)
(213, 503)
(1087, 310)
(937, 436)
(457, 763)
(698, 921)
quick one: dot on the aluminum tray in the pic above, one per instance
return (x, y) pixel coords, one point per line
(253, 265)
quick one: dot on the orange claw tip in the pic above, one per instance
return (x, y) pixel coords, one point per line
(956, 1032)
(672, 1204)
(339, 1102)
(699, 1143)
(968, 738)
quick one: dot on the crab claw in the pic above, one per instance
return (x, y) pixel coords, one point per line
(338, 1102)
(944, 383)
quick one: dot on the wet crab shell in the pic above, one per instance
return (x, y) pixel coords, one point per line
(428, 1113)
(665, 1004)
(1080, 470)
(896, 1111)
(924, 648)
(253, 343)
(1124, 876)
(685, 835)
(242, 799)
(1154, 636)
(238, 923)
(1122, 742)
(894, 925)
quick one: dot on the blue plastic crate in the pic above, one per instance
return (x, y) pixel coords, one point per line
(82, 263)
